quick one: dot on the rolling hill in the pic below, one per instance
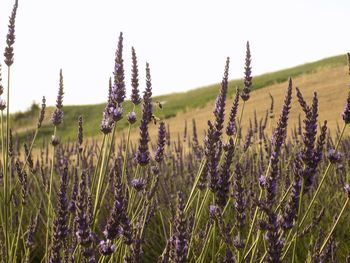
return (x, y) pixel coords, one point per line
(328, 77)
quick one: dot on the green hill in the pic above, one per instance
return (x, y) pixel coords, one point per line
(173, 104)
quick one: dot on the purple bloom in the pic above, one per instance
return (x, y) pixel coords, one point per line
(10, 38)
(278, 139)
(220, 103)
(211, 153)
(57, 115)
(42, 112)
(290, 212)
(138, 184)
(239, 203)
(82, 222)
(62, 211)
(135, 94)
(118, 217)
(118, 89)
(132, 117)
(142, 155)
(32, 230)
(231, 125)
(334, 156)
(179, 246)
(107, 122)
(247, 75)
(116, 113)
(347, 190)
(106, 248)
(159, 155)
(224, 175)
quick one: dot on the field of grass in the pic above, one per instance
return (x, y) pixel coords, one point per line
(251, 191)
(326, 76)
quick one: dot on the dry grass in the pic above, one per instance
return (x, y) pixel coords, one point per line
(331, 85)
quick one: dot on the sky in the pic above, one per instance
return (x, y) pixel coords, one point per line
(186, 42)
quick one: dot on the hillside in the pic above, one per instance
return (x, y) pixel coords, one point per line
(328, 77)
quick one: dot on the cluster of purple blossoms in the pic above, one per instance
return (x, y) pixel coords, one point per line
(220, 103)
(311, 153)
(231, 125)
(211, 153)
(277, 141)
(247, 75)
(57, 115)
(10, 38)
(222, 193)
(114, 111)
(159, 154)
(83, 220)
(118, 223)
(180, 237)
(135, 94)
(143, 155)
(290, 211)
(239, 204)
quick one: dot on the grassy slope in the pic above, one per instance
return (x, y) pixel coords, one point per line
(199, 100)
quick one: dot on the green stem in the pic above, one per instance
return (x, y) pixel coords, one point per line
(297, 224)
(318, 189)
(98, 162)
(190, 198)
(334, 226)
(126, 152)
(101, 179)
(18, 234)
(255, 246)
(6, 176)
(252, 225)
(239, 123)
(49, 199)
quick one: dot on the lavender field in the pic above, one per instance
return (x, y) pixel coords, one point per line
(243, 194)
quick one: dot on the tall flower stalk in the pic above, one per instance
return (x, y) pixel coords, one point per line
(9, 58)
(56, 119)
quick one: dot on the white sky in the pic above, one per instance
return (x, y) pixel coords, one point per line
(186, 42)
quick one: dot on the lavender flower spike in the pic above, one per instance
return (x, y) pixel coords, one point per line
(135, 94)
(118, 89)
(247, 75)
(159, 155)
(211, 154)
(231, 125)
(42, 112)
(57, 115)
(220, 103)
(277, 141)
(179, 246)
(10, 38)
(142, 155)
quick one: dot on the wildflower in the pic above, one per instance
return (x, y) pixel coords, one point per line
(161, 143)
(135, 94)
(132, 117)
(10, 38)
(247, 75)
(142, 155)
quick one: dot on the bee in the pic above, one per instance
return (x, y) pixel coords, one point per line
(159, 104)
(155, 119)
